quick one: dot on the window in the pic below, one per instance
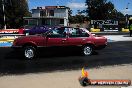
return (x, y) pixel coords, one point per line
(61, 21)
(83, 33)
(76, 32)
(32, 22)
(26, 22)
(42, 13)
(58, 33)
(51, 13)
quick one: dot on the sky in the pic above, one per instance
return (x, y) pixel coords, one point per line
(75, 5)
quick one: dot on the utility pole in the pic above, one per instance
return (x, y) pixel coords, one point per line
(4, 18)
(127, 15)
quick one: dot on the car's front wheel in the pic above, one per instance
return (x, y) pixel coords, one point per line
(87, 50)
(29, 52)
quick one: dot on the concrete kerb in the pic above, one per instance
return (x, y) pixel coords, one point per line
(110, 33)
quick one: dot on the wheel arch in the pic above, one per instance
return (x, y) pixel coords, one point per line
(90, 44)
(30, 44)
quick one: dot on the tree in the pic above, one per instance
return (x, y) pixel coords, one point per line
(78, 18)
(15, 10)
(69, 12)
(101, 10)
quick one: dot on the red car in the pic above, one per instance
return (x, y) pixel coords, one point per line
(62, 37)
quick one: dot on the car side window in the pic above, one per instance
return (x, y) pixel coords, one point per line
(76, 32)
(72, 32)
(58, 33)
(41, 28)
(83, 33)
(36, 28)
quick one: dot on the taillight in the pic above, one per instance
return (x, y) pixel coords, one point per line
(15, 42)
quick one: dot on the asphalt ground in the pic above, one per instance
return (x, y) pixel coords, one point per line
(116, 53)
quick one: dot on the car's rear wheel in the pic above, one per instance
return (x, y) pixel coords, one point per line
(87, 50)
(29, 52)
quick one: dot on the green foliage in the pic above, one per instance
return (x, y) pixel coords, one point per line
(101, 10)
(15, 10)
(78, 18)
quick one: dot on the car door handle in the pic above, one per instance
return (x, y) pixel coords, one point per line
(83, 39)
(63, 39)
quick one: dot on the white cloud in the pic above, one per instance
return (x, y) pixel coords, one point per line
(74, 5)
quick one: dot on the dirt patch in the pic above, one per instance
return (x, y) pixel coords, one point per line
(65, 79)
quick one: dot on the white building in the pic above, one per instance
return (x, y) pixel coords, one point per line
(48, 15)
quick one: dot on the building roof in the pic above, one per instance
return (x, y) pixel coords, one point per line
(51, 7)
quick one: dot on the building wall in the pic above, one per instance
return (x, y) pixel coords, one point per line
(35, 13)
(44, 16)
(59, 13)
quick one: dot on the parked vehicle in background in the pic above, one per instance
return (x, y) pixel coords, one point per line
(60, 37)
(37, 30)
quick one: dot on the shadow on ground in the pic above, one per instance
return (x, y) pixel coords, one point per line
(116, 53)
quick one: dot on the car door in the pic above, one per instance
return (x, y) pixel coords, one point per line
(57, 37)
(77, 37)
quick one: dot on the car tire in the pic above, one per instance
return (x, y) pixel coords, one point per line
(87, 50)
(29, 52)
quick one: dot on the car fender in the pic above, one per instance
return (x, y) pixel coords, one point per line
(30, 43)
(91, 43)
